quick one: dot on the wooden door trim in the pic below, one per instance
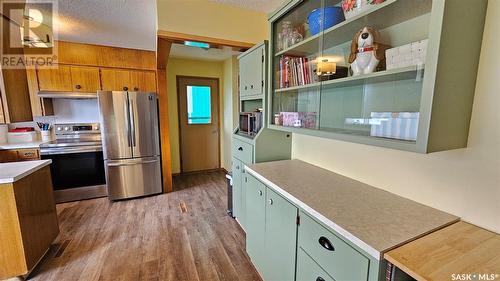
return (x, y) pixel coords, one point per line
(216, 80)
(178, 37)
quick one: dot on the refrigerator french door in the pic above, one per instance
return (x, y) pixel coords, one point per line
(129, 128)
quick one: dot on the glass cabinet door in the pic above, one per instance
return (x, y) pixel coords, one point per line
(296, 45)
(314, 86)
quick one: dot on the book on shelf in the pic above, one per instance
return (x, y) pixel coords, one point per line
(296, 71)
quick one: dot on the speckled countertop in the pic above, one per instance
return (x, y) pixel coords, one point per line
(371, 218)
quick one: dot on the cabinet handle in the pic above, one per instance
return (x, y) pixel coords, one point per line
(136, 89)
(240, 148)
(270, 201)
(251, 86)
(78, 87)
(246, 87)
(320, 279)
(125, 88)
(260, 192)
(325, 243)
(237, 167)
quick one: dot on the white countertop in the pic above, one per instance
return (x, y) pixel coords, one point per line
(14, 171)
(7, 146)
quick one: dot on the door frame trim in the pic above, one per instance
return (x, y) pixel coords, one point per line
(217, 81)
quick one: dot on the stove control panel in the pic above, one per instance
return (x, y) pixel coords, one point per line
(76, 129)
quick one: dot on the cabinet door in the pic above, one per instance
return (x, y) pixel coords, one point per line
(243, 210)
(243, 75)
(144, 81)
(280, 238)
(57, 79)
(85, 79)
(256, 222)
(255, 76)
(8, 156)
(115, 80)
(236, 188)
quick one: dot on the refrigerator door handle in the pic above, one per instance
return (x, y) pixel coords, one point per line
(131, 163)
(127, 122)
(132, 123)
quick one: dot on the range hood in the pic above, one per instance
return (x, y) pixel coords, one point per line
(67, 95)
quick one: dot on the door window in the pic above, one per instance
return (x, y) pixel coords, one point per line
(199, 105)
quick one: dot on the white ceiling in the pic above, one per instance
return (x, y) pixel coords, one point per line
(265, 6)
(188, 52)
(122, 23)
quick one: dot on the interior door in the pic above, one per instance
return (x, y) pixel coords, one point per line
(144, 124)
(115, 125)
(198, 103)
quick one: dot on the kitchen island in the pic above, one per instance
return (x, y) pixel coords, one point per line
(28, 218)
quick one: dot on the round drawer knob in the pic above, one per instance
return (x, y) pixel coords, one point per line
(78, 87)
(270, 201)
(260, 192)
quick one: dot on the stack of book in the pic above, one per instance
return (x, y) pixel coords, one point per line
(296, 71)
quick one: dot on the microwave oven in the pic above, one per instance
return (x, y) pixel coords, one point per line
(250, 123)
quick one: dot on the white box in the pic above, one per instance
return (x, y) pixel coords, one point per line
(22, 137)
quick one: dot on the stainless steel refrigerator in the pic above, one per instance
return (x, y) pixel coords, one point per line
(129, 128)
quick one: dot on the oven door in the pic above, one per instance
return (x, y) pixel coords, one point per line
(75, 167)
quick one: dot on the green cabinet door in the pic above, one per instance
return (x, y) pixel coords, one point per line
(255, 221)
(237, 166)
(243, 210)
(280, 238)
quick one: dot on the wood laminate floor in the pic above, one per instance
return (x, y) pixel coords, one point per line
(183, 235)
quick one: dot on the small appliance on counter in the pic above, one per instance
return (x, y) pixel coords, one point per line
(131, 143)
(77, 167)
(250, 123)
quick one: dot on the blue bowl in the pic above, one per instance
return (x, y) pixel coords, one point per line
(331, 16)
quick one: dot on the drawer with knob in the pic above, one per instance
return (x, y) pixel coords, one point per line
(243, 151)
(334, 255)
(28, 154)
(309, 270)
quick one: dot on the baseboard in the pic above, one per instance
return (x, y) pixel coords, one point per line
(200, 172)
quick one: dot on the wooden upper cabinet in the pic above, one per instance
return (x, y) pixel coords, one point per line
(132, 80)
(56, 79)
(144, 81)
(115, 80)
(85, 79)
(69, 79)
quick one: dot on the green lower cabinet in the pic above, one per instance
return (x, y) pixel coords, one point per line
(255, 221)
(271, 239)
(237, 188)
(280, 238)
(309, 270)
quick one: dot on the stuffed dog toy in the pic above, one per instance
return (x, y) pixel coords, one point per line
(367, 54)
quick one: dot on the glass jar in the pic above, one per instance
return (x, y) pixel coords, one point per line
(286, 34)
